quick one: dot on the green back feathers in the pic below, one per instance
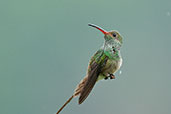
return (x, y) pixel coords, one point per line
(98, 56)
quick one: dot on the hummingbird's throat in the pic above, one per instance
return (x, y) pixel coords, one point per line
(112, 43)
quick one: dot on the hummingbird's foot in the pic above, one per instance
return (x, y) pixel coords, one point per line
(112, 76)
(106, 77)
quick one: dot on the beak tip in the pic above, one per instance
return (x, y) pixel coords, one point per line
(89, 24)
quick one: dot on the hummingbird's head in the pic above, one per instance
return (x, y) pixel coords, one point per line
(113, 35)
(109, 36)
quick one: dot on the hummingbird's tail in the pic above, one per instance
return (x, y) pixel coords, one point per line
(76, 93)
(65, 104)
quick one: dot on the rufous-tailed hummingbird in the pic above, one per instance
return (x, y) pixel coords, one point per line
(104, 63)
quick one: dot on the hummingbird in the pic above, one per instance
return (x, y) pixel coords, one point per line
(103, 65)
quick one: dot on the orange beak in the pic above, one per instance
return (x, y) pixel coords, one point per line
(102, 30)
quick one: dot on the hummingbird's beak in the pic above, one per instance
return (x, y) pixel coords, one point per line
(95, 26)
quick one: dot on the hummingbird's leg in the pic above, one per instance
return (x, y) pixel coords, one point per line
(106, 77)
(112, 76)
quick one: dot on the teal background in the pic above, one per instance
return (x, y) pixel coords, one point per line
(45, 47)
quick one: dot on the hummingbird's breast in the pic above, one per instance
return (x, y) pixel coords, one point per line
(112, 66)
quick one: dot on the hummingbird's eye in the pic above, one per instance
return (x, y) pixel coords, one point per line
(114, 34)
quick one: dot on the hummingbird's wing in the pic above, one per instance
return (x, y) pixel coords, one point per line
(94, 68)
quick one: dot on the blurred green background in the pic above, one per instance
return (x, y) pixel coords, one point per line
(45, 47)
